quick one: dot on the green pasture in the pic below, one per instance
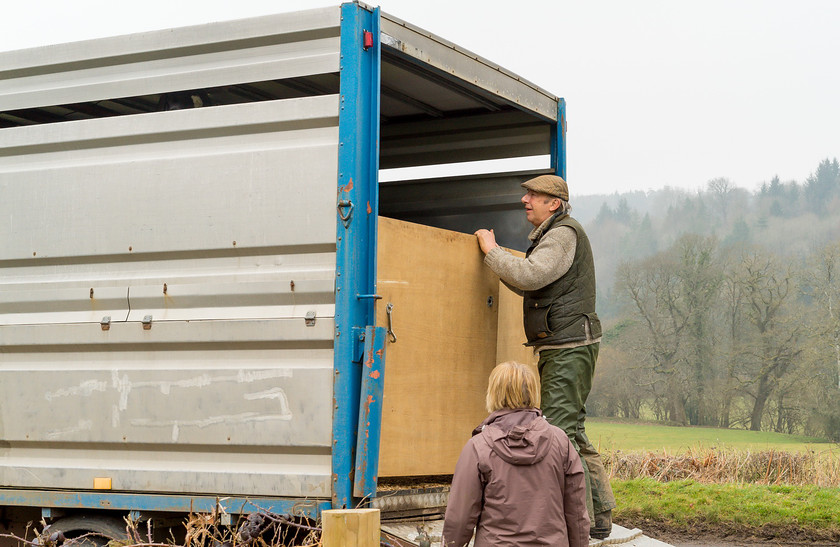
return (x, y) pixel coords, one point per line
(638, 437)
(803, 513)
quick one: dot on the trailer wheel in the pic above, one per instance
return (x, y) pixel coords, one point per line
(97, 530)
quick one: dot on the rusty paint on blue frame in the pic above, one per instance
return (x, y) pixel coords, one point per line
(370, 413)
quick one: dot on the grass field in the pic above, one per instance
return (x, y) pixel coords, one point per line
(634, 437)
(787, 515)
(707, 482)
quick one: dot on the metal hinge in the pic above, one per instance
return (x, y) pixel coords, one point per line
(309, 318)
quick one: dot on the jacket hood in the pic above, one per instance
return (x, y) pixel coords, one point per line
(519, 437)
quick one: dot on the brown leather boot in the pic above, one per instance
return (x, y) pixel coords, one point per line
(602, 527)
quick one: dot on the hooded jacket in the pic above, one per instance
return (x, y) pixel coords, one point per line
(518, 482)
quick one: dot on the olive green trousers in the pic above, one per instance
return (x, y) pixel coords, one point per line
(566, 379)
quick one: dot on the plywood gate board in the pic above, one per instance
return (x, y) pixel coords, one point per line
(511, 331)
(447, 344)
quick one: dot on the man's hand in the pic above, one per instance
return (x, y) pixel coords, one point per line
(486, 240)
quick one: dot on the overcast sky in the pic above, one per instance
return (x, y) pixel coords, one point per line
(659, 93)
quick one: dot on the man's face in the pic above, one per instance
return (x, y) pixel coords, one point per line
(539, 206)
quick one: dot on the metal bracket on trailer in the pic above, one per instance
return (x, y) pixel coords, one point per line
(345, 211)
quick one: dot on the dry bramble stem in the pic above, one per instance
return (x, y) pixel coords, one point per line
(725, 465)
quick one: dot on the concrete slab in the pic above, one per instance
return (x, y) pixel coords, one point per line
(408, 531)
(627, 538)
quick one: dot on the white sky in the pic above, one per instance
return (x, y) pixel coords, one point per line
(659, 92)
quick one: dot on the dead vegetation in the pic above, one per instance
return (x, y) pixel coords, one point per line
(259, 529)
(729, 466)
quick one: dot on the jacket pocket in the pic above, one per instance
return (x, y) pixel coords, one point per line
(537, 311)
(594, 325)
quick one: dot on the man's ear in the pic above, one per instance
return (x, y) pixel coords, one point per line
(555, 204)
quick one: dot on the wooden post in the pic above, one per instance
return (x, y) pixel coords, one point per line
(350, 528)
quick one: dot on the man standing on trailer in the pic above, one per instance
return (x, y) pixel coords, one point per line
(557, 280)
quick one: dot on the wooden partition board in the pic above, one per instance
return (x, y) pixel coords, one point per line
(510, 341)
(448, 308)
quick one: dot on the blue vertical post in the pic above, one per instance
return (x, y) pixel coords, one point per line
(558, 141)
(357, 209)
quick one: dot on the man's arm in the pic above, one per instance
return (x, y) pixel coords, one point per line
(548, 262)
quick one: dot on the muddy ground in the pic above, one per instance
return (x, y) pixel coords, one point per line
(702, 533)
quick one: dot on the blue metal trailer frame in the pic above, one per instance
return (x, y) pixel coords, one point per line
(358, 209)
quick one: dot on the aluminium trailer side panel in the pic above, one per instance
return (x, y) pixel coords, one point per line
(216, 229)
(225, 241)
(256, 49)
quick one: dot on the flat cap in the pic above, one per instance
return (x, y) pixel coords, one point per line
(548, 184)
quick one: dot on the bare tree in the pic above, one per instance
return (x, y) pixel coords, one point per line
(673, 294)
(620, 385)
(700, 278)
(767, 287)
(654, 290)
(821, 287)
(823, 280)
(731, 311)
(720, 190)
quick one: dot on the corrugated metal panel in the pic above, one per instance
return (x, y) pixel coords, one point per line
(219, 224)
(185, 418)
(405, 39)
(469, 138)
(177, 169)
(246, 50)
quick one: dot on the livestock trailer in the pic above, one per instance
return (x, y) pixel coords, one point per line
(208, 298)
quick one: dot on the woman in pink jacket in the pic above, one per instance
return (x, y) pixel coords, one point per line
(518, 481)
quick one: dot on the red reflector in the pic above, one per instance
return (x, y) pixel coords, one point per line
(367, 37)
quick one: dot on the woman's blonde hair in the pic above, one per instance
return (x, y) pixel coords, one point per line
(513, 385)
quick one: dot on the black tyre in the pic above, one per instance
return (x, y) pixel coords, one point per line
(88, 531)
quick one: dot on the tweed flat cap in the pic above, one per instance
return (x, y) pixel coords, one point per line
(548, 184)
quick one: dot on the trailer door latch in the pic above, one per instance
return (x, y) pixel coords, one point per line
(391, 336)
(309, 319)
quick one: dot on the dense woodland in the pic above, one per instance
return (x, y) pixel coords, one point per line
(721, 307)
